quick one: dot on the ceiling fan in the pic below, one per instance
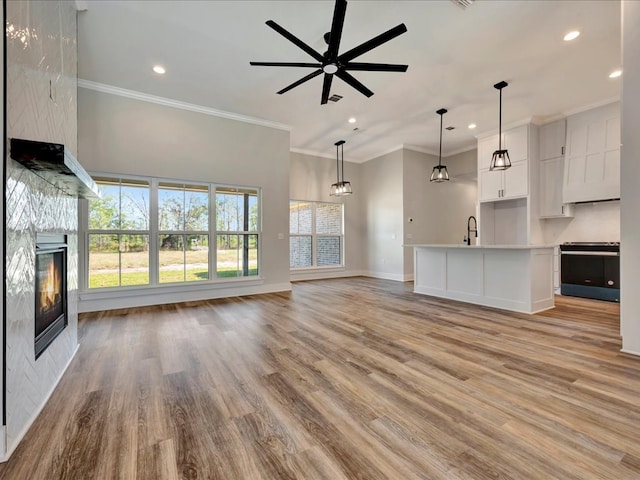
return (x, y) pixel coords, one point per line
(331, 63)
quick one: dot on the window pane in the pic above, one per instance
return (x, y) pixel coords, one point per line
(170, 207)
(134, 260)
(253, 212)
(237, 255)
(171, 258)
(328, 251)
(104, 261)
(134, 206)
(300, 252)
(300, 219)
(196, 200)
(197, 258)
(104, 214)
(229, 212)
(329, 218)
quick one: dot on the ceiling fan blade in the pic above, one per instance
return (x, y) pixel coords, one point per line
(285, 64)
(351, 80)
(375, 67)
(336, 29)
(295, 40)
(373, 43)
(326, 88)
(301, 81)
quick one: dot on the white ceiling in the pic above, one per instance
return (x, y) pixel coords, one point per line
(455, 56)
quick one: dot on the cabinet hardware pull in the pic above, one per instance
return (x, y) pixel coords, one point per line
(562, 150)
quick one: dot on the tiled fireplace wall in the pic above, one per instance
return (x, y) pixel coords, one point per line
(41, 105)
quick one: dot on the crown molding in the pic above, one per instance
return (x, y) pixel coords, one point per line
(313, 153)
(591, 106)
(167, 102)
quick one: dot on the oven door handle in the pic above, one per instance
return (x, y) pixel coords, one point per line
(597, 254)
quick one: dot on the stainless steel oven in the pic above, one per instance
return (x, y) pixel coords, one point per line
(591, 270)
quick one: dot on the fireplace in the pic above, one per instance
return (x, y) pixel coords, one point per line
(51, 289)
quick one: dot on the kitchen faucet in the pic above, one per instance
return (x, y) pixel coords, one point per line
(469, 230)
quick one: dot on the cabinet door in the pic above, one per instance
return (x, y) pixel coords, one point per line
(516, 181)
(486, 147)
(551, 172)
(552, 139)
(490, 185)
(516, 141)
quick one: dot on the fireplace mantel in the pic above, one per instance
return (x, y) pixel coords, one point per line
(56, 165)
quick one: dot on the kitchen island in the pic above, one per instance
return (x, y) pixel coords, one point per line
(511, 277)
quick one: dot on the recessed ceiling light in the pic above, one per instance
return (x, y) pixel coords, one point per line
(615, 73)
(159, 69)
(352, 120)
(571, 35)
(472, 126)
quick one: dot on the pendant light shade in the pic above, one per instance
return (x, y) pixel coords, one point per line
(500, 159)
(341, 187)
(440, 173)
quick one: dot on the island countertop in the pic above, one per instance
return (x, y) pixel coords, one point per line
(511, 277)
(464, 245)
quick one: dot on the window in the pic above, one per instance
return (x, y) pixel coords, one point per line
(315, 234)
(155, 232)
(119, 234)
(236, 232)
(183, 232)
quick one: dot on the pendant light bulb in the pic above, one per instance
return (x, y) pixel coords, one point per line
(440, 173)
(500, 159)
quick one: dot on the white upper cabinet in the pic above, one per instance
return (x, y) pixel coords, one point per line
(552, 139)
(510, 183)
(592, 162)
(552, 147)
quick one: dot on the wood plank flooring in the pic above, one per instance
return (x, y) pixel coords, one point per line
(341, 379)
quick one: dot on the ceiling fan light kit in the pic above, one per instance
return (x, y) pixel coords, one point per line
(500, 159)
(331, 62)
(440, 173)
(341, 187)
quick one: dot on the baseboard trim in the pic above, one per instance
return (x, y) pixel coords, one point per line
(398, 277)
(11, 448)
(630, 352)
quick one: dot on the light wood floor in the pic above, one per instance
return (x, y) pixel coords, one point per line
(341, 379)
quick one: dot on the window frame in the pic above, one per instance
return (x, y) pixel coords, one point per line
(314, 238)
(154, 232)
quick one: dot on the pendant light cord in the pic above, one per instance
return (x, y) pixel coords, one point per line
(337, 166)
(342, 159)
(500, 123)
(440, 154)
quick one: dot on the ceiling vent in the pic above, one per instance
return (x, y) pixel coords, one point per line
(463, 3)
(335, 98)
(449, 128)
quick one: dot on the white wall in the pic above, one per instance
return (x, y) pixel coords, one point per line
(439, 210)
(310, 178)
(382, 182)
(630, 176)
(125, 136)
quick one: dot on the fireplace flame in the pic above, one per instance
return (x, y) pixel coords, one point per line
(50, 293)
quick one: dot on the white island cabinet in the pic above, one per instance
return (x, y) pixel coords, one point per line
(511, 277)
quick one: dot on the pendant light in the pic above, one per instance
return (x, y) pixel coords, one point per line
(500, 159)
(440, 173)
(341, 187)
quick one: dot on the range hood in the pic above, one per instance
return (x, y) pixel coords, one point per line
(56, 165)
